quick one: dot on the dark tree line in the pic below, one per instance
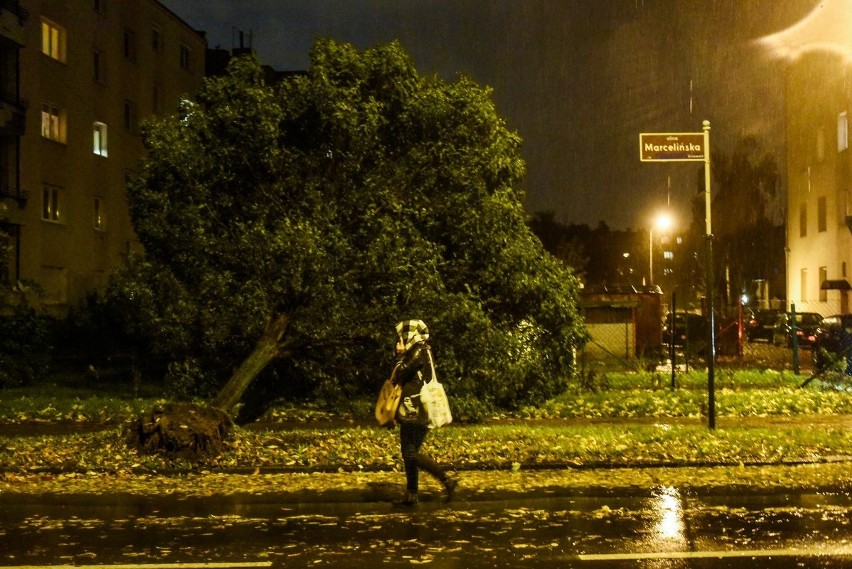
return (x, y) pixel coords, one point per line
(748, 233)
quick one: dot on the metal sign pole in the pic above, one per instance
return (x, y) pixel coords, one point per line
(711, 356)
(687, 147)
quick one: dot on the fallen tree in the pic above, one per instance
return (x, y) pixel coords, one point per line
(287, 228)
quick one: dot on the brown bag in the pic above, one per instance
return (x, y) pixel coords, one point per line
(388, 403)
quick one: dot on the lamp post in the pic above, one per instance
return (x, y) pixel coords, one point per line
(662, 222)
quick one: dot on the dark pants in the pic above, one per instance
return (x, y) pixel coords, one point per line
(411, 438)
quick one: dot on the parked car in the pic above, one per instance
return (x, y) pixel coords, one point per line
(685, 330)
(833, 342)
(761, 324)
(806, 327)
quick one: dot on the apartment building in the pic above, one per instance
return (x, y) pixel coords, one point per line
(77, 77)
(819, 188)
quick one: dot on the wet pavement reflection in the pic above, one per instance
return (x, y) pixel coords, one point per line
(663, 529)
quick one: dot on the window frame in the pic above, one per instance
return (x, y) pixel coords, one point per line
(51, 204)
(130, 116)
(822, 215)
(99, 67)
(130, 45)
(53, 40)
(98, 213)
(100, 139)
(156, 39)
(52, 123)
(185, 57)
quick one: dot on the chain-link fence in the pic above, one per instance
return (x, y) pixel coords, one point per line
(620, 341)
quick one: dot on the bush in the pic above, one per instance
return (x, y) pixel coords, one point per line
(25, 345)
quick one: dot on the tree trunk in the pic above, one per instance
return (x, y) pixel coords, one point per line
(265, 350)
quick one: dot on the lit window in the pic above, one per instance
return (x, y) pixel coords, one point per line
(803, 276)
(99, 138)
(52, 40)
(50, 206)
(842, 131)
(52, 126)
(99, 215)
(184, 57)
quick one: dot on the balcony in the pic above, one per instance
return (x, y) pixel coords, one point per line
(13, 115)
(12, 18)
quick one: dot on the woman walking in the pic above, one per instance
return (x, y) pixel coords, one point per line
(414, 363)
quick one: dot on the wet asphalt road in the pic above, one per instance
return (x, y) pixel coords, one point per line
(662, 529)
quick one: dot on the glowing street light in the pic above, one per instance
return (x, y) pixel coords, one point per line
(662, 223)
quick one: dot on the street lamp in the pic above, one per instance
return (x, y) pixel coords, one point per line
(662, 222)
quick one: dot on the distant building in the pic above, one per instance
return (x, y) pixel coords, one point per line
(77, 78)
(818, 50)
(819, 193)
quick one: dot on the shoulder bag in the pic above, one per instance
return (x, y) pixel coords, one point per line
(388, 402)
(434, 400)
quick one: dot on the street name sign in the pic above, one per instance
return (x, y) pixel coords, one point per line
(671, 146)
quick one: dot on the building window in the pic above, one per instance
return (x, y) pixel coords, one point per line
(98, 67)
(804, 285)
(842, 131)
(156, 40)
(129, 116)
(822, 224)
(157, 98)
(803, 220)
(823, 276)
(184, 57)
(99, 214)
(99, 139)
(50, 204)
(130, 45)
(52, 40)
(52, 123)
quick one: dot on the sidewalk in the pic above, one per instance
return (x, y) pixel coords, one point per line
(474, 485)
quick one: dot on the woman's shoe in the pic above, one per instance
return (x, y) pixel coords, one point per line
(409, 501)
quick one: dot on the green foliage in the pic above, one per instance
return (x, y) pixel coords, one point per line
(26, 340)
(345, 199)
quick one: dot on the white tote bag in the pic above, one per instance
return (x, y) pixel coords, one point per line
(434, 400)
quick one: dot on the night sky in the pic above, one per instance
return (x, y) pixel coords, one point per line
(577, 79)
